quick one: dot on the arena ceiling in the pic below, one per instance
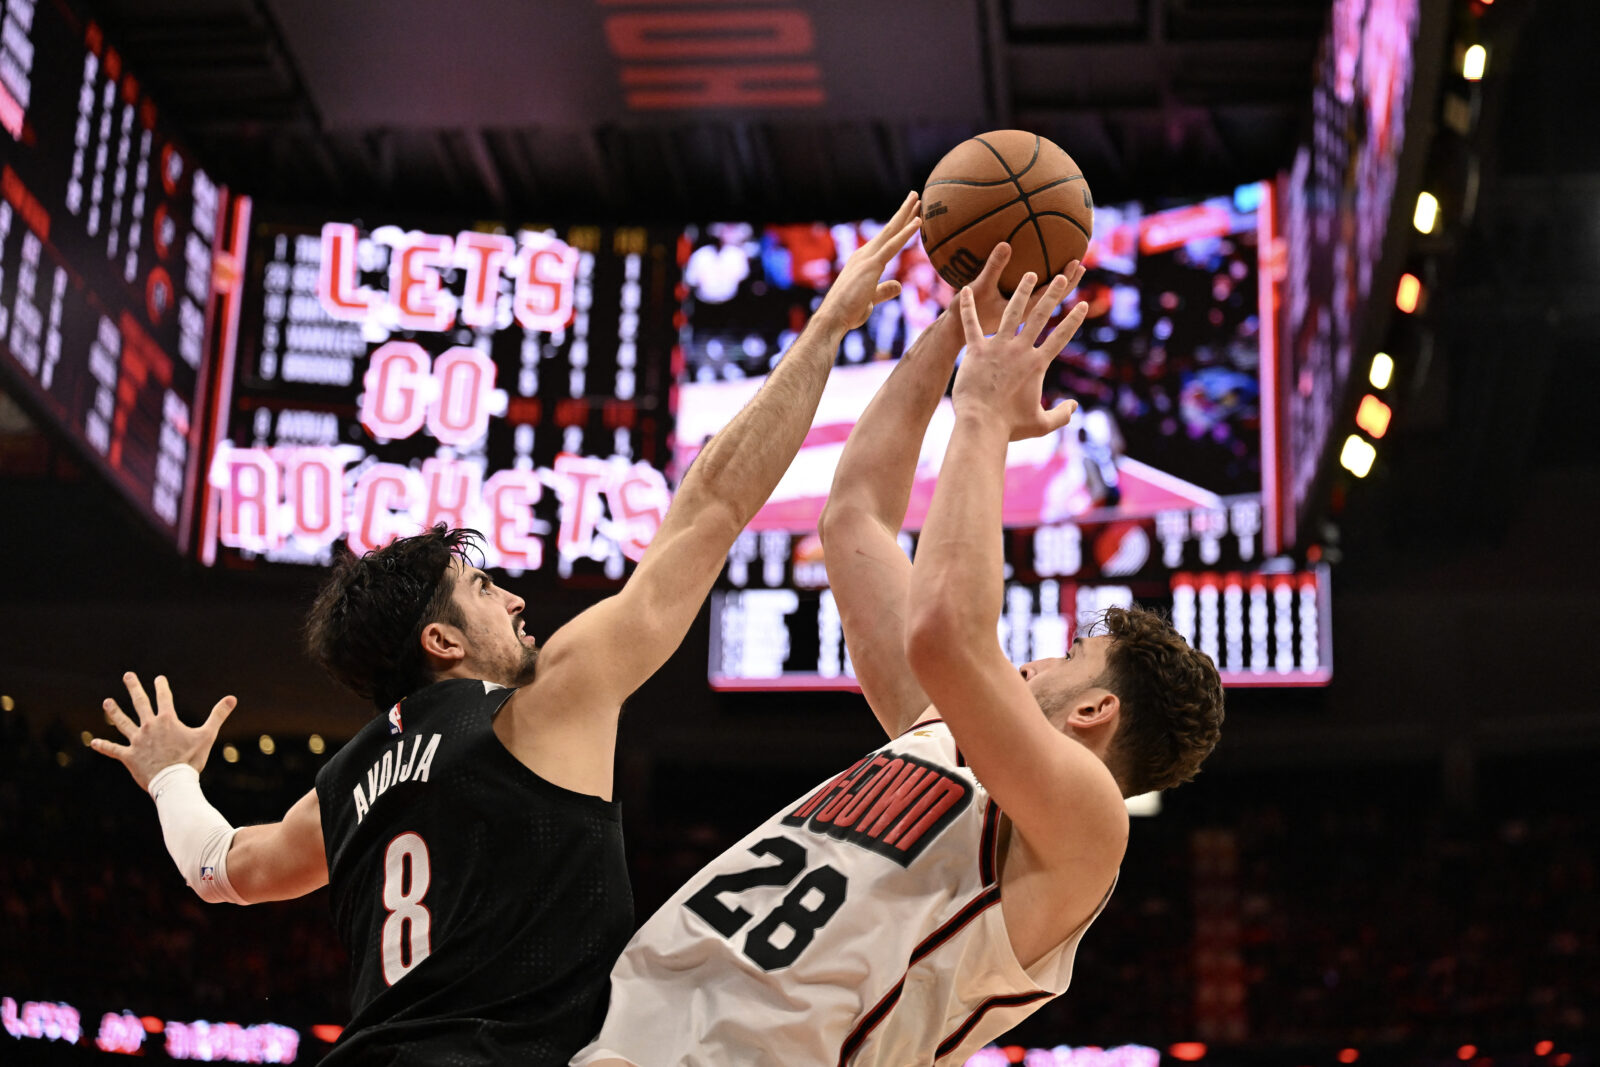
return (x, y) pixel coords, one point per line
(673, 109)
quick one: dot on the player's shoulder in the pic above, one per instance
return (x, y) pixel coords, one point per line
(1091, 832)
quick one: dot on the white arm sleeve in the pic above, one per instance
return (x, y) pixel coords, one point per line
(196, 834)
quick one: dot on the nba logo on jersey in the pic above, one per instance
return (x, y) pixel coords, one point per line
(208, 874)
(394, 720)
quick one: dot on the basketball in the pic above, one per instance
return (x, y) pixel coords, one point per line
(1006, 185)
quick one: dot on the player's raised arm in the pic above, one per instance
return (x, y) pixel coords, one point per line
(1035, 773)
(867, 571)
(594, 662)
(246, 865)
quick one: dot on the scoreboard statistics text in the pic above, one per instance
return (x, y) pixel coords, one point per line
(107, 234)
(392, 378)
(1264, 623)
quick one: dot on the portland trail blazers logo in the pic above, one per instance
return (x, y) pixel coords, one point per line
(890, 804)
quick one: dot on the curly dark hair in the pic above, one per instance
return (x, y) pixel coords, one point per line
(365, 624)
(1171, 697)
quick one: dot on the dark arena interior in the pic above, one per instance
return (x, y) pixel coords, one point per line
(1343, 339)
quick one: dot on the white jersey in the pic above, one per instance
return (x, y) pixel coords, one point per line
(861, 925)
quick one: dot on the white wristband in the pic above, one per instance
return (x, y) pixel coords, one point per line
(196, 834)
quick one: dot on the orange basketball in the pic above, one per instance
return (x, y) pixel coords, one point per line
(1006, 185)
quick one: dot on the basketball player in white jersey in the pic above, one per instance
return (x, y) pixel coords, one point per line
(921, 903)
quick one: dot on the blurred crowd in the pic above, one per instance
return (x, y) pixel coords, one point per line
(1354, 908)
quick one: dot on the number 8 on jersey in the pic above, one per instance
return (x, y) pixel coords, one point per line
(407, 931)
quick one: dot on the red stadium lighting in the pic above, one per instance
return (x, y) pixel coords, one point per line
(1562, 1060)
(1466, 1052)
(1544, 1048)
(1409, 295)
(1373, 416)
(151, 1024)
(1188, 1051)
(326, 1032)
(1348, 1055)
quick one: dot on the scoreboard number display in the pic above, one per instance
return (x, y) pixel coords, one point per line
(108, 231)
(388, 379)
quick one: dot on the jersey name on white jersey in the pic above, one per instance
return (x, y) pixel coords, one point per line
(861, 925)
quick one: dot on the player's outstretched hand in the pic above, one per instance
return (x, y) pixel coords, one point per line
(160, 738)
(991, 302)
(1003, 376)
(857, 290)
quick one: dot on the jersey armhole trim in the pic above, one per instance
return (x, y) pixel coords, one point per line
(610, 808)
(1013, 1000)
(880, 1011)
(989, 844)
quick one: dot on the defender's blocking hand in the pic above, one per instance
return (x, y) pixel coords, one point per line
(857, 290)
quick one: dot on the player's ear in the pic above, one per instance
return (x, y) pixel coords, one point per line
(441, 641)
(1097, 707)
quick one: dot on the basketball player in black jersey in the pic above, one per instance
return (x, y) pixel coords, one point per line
(468, 832)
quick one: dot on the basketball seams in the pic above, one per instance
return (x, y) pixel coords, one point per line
(1014, 174)
(1016, 177)
(1058, 181)
(1068, 217)
(973, 183)
(986, 215)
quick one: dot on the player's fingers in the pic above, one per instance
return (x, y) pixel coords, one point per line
(1057, 417)
(902, 236)
(897, 222)
(910, 207)
(1064, 330)
(989, 277)
(108, 748)
(117, 718)
(1016, 307)
(1049, 300)
(219, 713)
(969, 315)
(1074, 273)
(164, 696)
(138, 698)
(886, 291)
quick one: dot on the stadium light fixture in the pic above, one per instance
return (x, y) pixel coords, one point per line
(1427, 213)
(1382, 372)
(1357, 456)
(1408, 297)
(1373, 416)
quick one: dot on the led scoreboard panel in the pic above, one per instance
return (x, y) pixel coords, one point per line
(1156, 492)
(388, 379)
(107, 234)
(1337, 202)
(777, 628)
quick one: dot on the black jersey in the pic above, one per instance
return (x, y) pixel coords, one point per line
(481, 905)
